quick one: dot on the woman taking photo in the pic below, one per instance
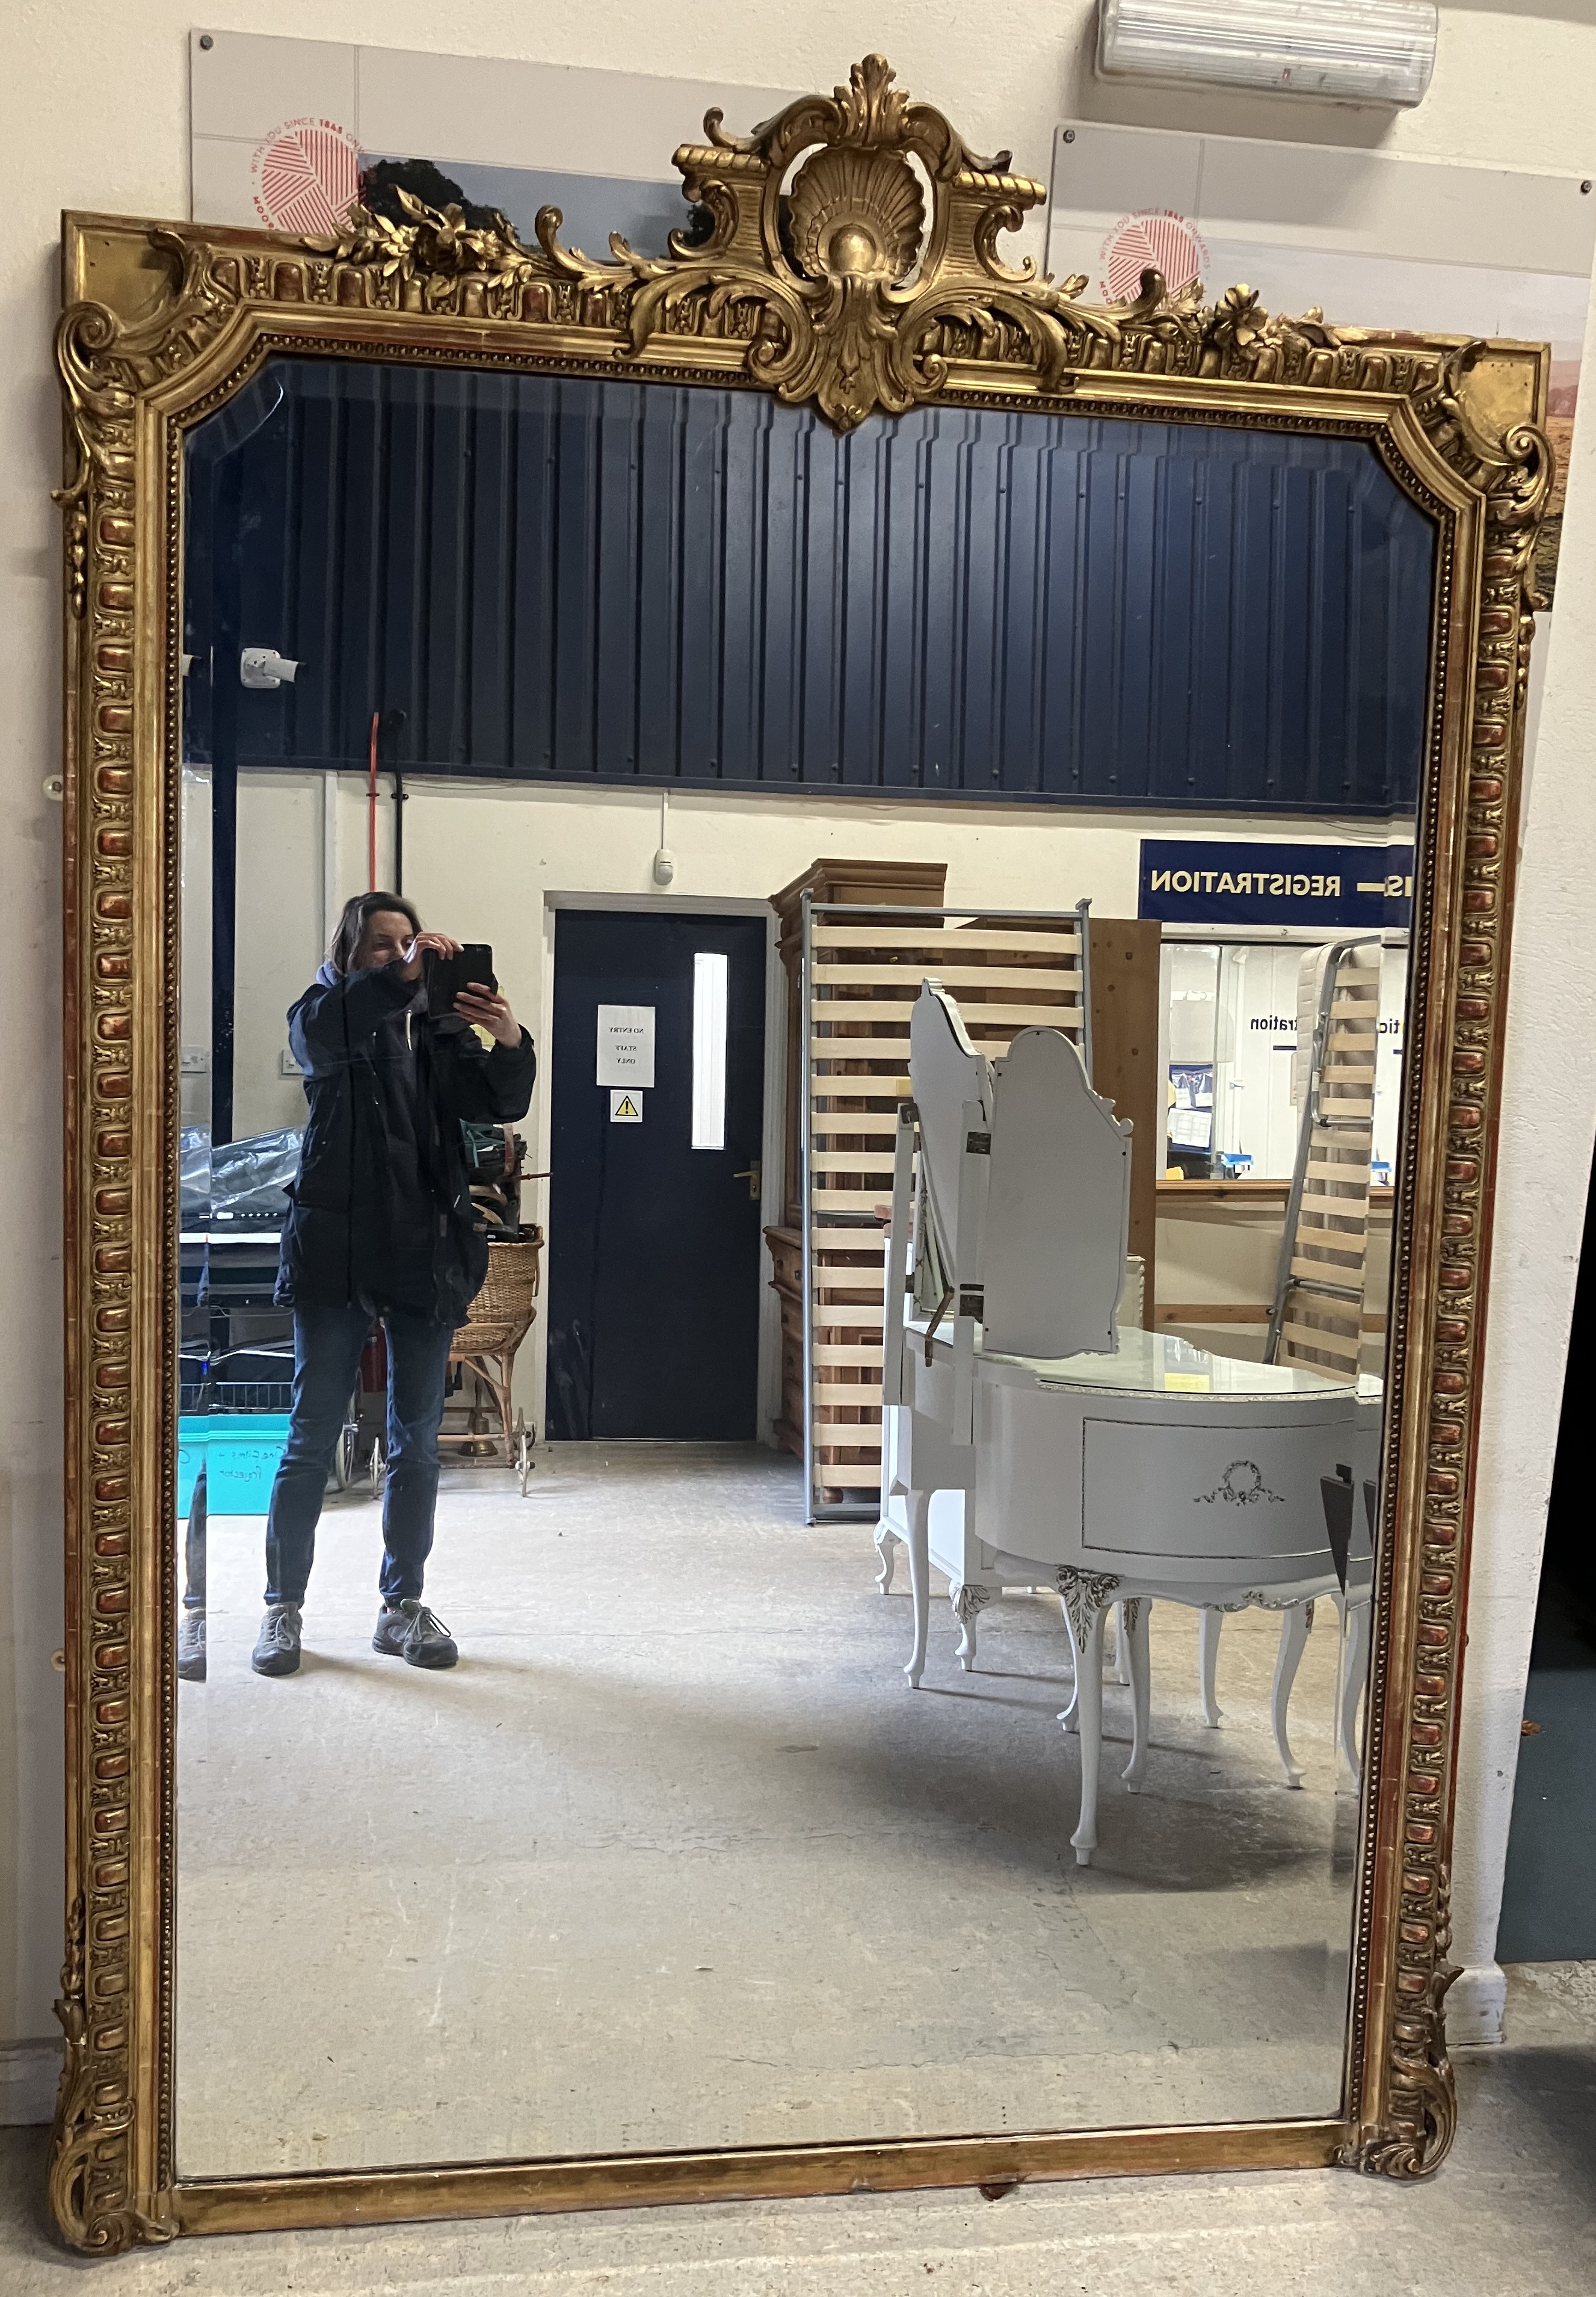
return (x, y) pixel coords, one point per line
(381, 1228)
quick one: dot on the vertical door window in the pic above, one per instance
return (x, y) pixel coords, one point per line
(711, 971)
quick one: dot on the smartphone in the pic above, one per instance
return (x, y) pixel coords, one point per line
(446, 977)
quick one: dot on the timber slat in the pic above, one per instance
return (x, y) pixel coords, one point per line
(988, 1016)
(1065, 980)
(852, 1120)
(958, 941)
(863, 983)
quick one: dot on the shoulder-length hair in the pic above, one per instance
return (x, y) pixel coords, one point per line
(358, 912)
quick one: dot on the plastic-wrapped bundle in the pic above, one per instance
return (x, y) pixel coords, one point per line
(250, 1180)
(193, 1176)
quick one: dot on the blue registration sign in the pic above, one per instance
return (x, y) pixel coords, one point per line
(1236, 882)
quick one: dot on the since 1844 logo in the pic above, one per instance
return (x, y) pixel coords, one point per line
(1153, 239)
(307, 175)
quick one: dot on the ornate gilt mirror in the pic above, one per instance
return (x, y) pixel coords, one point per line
(576, 590)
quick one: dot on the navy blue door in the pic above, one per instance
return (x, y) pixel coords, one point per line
(654, 1243)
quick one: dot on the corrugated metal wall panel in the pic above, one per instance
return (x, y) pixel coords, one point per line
(565, 579)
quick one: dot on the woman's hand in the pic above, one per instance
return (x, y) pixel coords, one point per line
(488, 1009)
(441, 943)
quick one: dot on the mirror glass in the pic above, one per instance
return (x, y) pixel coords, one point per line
(578, 1341)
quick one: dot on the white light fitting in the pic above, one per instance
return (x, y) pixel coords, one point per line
(1340, 51)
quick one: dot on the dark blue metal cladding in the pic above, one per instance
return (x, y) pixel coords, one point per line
(570, 580)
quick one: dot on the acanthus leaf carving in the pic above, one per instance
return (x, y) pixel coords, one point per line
(90, 2180)
(1084, 1594)
(437, 252)
(1421, 2099)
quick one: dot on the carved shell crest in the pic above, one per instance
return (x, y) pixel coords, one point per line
(858, 214)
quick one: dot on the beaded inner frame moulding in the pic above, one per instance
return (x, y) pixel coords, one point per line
(839, 284)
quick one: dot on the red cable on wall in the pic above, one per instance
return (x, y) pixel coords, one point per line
(371, 805)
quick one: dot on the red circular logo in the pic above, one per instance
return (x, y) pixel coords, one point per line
(307, 175)
(1154, 239)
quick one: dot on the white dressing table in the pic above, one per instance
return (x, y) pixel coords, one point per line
(1158, 1472)
(1133, 1470)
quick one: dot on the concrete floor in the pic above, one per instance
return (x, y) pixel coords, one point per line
(1512, 2214)
(675, 1857)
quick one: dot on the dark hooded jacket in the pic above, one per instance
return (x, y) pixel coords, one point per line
(381, 1213)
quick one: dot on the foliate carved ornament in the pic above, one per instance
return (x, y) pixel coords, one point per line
(968, 1599)
(1421, 2106)
(858, 299)
(91, 2194)
(1242, 1484)
(1255, 1600)
(1084, 1595)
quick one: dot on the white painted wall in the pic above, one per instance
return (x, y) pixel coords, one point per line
(97, 121)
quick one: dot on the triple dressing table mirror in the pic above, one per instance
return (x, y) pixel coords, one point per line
(576, 602)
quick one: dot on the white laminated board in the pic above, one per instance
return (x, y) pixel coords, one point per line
(281, 128)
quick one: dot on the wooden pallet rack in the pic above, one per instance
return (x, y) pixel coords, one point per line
(861, 973)
(1318, 1313)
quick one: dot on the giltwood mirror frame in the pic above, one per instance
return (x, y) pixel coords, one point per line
(833, 286)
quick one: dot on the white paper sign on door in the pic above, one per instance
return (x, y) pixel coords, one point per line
(625, 1045)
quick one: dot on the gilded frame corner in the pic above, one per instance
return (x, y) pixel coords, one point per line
(842, 290)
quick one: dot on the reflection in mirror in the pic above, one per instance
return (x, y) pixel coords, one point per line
(967, 1261)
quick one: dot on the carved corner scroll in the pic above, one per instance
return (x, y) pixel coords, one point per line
(849, 262)
(92, 2184)
(1415, 2133)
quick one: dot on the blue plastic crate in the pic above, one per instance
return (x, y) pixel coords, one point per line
(239, 1452)
(191, 1459)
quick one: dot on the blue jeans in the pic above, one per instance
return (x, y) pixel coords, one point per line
(327, 1345)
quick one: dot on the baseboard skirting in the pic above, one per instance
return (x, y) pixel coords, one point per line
(1476, 2006)
(29, 2072)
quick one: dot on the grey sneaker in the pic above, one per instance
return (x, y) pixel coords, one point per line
(191, 1645)
(409, 1631)
(278, 1645)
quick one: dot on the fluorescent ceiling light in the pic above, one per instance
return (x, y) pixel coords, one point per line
(1348, 51)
